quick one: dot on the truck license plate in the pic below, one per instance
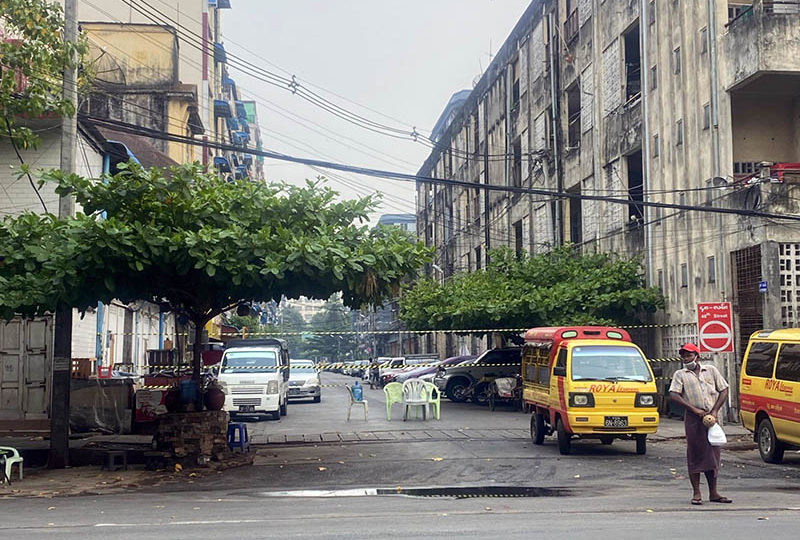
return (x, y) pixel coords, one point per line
(616, 421)
(247, 408)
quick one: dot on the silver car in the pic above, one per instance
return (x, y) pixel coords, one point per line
(304, 380)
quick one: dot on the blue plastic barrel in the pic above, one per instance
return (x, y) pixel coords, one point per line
(358, 391)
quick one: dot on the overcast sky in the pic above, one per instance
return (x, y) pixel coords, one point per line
(393, 62)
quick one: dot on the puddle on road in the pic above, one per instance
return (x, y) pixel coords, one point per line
(462, 492)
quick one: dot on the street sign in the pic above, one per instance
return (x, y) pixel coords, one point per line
(762, 286)
(715, 325)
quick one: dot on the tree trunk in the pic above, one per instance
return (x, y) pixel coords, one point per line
(197, 359)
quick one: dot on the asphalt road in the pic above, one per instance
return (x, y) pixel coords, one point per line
(248, 514)
(328, 416)
(597, 491)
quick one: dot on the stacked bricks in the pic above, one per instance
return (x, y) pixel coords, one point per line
(201, 436)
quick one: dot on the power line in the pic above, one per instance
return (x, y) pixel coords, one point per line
(379, 173)
(296, 88)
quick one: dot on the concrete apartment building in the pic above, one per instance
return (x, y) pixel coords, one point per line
(674, 101)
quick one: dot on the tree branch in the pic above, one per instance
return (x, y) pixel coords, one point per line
(22, 162)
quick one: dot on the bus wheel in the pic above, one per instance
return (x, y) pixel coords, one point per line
(606, 440)
(564, 445)
(770, 448)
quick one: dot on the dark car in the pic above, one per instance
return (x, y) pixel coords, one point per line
(421, 372)
(460, 382)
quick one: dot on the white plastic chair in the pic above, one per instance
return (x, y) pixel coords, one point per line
(9, 456)
(354, 402)
(415, 394)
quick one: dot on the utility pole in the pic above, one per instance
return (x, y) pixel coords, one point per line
(62, 347)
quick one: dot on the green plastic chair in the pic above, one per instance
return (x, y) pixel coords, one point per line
(434, 399)
(394, 394)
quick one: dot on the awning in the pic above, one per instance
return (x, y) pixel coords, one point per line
(221, 164)
(195, 122)
(233, 123)
(222, 109)
(219, 53)
(241, 172)
(241, 111)
(240, 137)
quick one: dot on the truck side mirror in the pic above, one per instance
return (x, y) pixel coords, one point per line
(658, 371)
(559, 371)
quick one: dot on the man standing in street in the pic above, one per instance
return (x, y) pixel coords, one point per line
(702, 391)
(374, 370)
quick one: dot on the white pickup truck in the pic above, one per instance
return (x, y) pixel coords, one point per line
(254, 374)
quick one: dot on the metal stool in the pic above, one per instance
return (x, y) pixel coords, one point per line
(115, 460)
(243, 441)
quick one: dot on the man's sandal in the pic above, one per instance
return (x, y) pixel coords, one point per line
(721, 500)
(697, 502)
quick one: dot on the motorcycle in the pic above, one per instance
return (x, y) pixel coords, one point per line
(506, 389)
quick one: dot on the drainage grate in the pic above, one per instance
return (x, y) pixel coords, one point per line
(463, 492)
(469, 492)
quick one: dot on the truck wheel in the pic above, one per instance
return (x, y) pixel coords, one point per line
(770, 448)
(537, 428)
(317, 399)
(455, 389)
(607, 440)
(564, 445)
(284, 407)
(641, 444)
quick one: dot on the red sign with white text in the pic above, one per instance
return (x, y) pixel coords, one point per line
(715, 326)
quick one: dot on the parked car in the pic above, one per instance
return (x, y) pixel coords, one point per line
(390, 375)
(422, 372)
(388, 363)
(359, 368)
(304, 380)
(472, 378)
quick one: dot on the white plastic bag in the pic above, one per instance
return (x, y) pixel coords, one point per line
(716, 437)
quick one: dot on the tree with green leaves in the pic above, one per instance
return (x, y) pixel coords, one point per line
(198, 246)
(33, 56)
(561, 287)
(334, 317)
(290, 321)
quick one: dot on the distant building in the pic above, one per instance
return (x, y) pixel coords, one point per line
(308, 307)
(407, 222)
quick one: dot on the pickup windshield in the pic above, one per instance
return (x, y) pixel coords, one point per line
(608, 363)
(249, 361)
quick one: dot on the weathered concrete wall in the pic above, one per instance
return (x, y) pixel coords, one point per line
(760, 43)
(764, 129)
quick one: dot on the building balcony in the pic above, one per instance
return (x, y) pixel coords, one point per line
(762, 46)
